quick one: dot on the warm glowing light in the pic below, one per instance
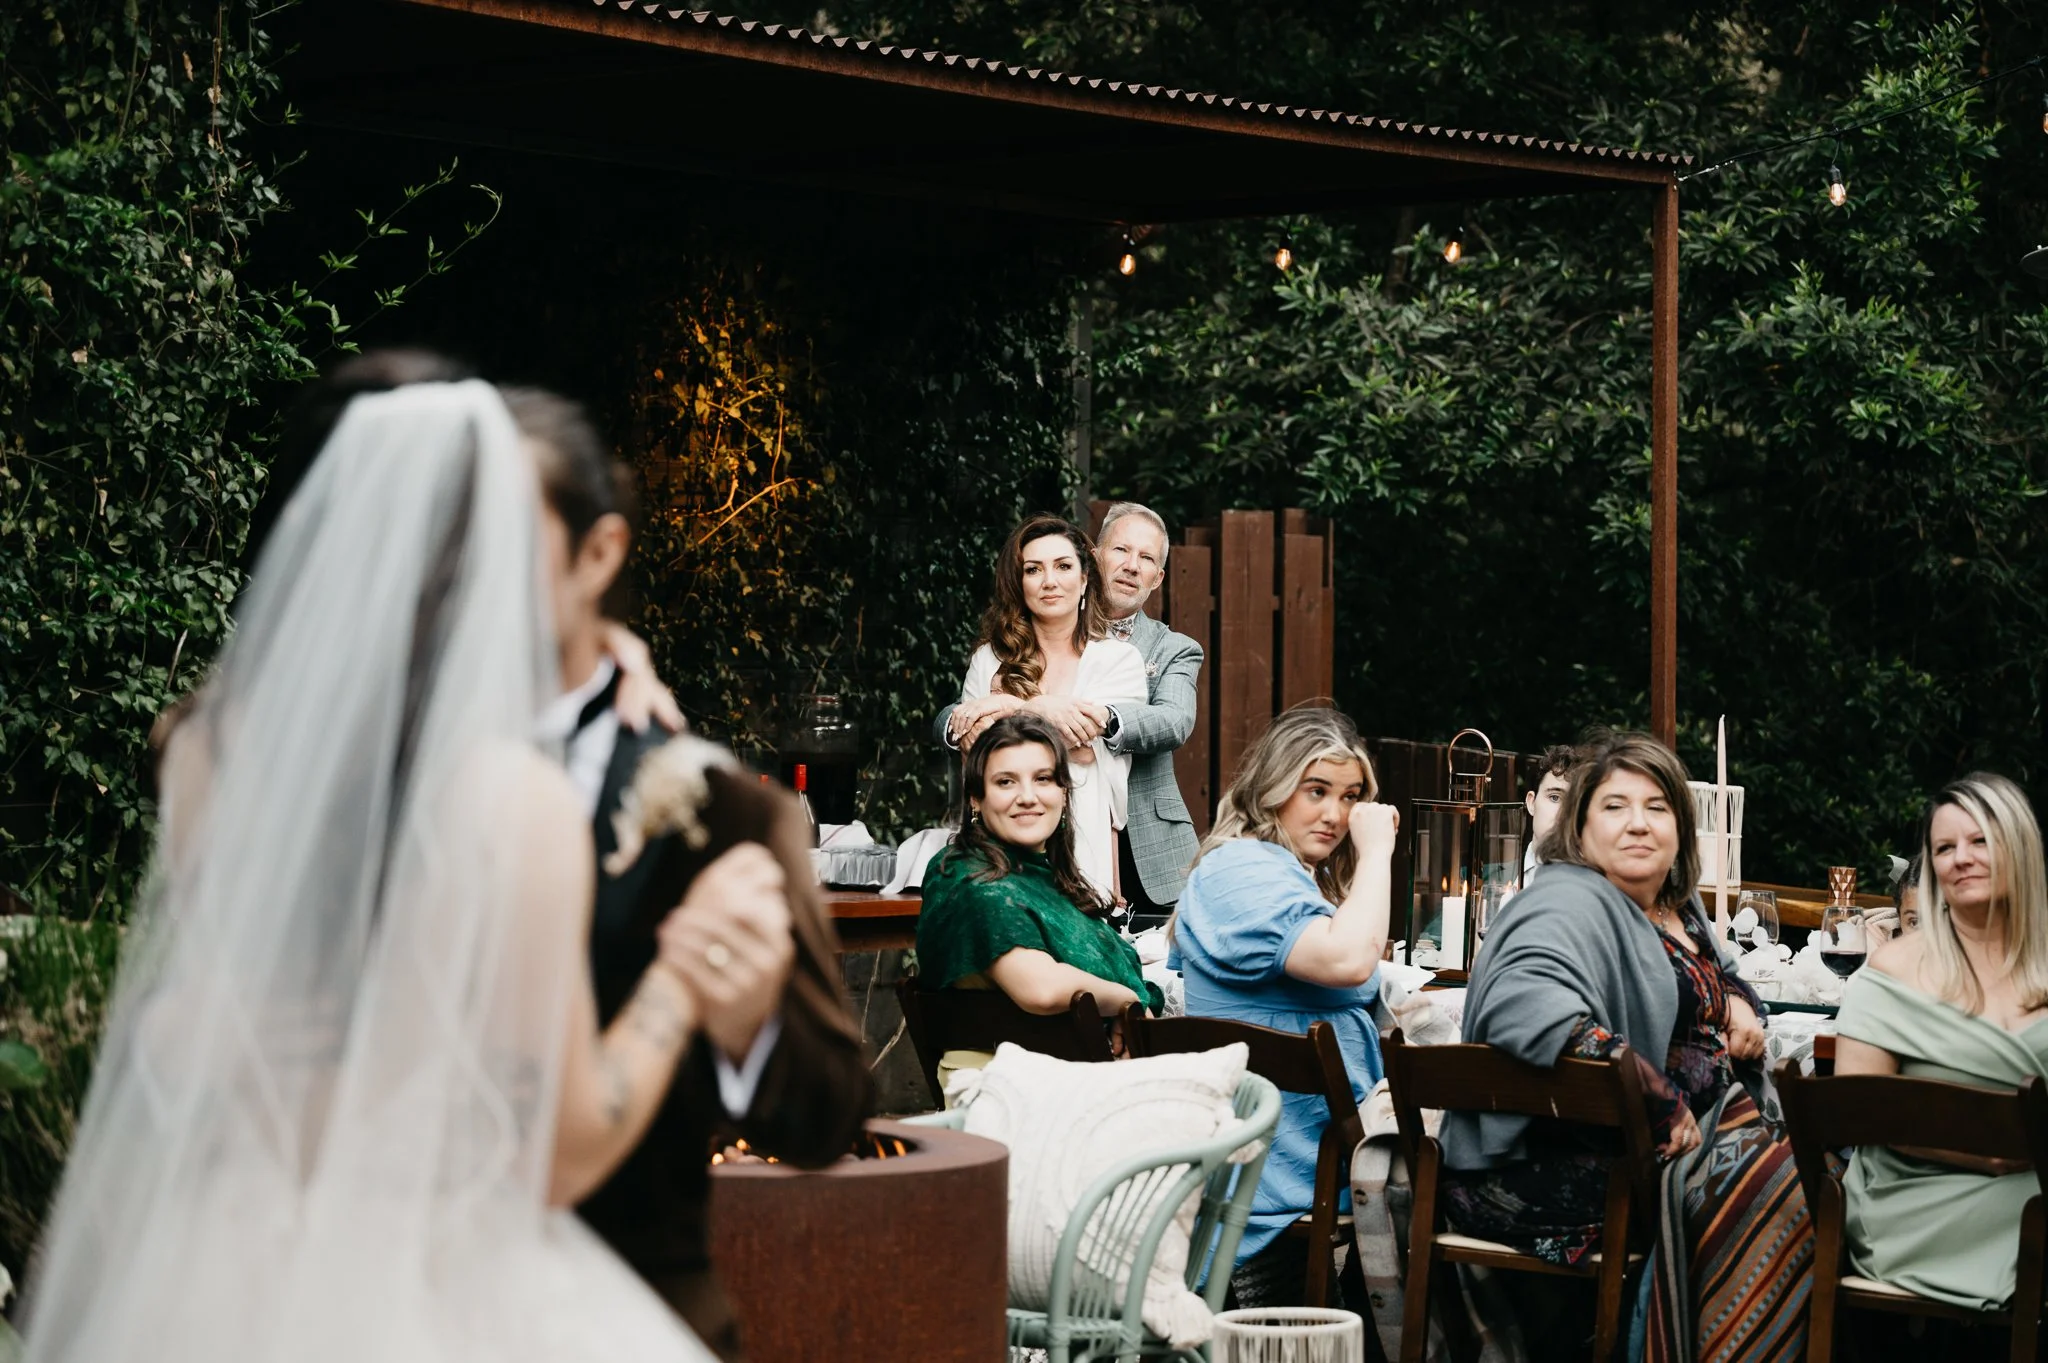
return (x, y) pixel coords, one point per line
(1454, 251)
(1283, 257)
(1838, 193)
(1127, 263)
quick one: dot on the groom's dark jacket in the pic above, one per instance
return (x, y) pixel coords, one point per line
(814, 1093)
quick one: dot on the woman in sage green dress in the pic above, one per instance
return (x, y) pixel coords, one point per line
(1965, 999)
(1005, 905)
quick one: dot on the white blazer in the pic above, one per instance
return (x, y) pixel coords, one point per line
(1112, 672)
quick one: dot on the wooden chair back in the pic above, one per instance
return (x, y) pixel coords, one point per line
(1467, 1078)
(1311, 1063)
(1937, 1121)
(941, 1020)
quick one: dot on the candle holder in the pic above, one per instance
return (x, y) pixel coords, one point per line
(1466, 860)
(1706, 834)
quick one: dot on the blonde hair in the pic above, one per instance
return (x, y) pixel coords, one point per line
(2014, 839)
(1268, 775)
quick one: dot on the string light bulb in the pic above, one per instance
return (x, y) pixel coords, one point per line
(1283, 254)
(1838, 193)
(1454, 249)
(1127, 263)
(2044, 113)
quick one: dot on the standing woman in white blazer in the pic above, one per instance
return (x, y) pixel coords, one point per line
(1043, 649)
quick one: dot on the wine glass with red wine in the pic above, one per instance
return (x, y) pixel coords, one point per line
(1844, 939)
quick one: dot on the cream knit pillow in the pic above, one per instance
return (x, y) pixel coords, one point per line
(1065, 1123)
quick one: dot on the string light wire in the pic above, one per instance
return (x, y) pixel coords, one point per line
(1842, 130)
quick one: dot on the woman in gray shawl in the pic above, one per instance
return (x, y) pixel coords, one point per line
(1607, 949)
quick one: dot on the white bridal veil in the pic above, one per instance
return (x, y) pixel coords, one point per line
(323, 1115)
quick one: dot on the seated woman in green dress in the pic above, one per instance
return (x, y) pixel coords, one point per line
(1965, 999)
(1005, 905)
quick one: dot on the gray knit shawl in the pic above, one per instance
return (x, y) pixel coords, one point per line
(1570, 945)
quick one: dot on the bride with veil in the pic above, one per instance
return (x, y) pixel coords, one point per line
(353, 1074)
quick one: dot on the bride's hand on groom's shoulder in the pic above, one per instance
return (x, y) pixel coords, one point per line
(730, 941)
(641, 696)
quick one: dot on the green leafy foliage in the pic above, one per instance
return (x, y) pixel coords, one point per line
(1861, 524)
(53, 1003)
(826, 471)
(139, 371)
(127, 347)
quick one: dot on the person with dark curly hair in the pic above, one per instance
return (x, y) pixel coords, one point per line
(1044, 651)
(1006, 905)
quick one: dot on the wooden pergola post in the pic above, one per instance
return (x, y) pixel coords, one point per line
(1664, 465)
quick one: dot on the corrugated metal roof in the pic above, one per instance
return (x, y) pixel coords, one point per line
(864, 56)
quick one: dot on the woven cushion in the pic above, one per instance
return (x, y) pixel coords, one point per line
(1067, 1123)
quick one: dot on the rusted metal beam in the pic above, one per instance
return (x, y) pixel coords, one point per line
(1664, 465)
(1574, 168)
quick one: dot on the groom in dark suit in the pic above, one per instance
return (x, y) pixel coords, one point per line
(778, 1063)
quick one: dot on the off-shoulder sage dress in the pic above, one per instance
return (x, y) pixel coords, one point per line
(1943, 1232)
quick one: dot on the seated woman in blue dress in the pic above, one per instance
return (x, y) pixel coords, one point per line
(1283, 923)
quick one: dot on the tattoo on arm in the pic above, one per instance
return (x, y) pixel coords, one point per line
(618, 1086)
(656, 1020)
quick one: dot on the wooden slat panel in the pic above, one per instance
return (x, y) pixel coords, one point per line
(1303, 675)
(1189, 570)
(1244, 603)
(1327, 645)
(1096, 510)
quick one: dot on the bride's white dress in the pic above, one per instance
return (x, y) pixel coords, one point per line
(322, 1121)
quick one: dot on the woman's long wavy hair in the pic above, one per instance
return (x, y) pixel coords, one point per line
(999, 857)
(1602, 753)
(2013, 836)
(1269, 774)
(1006, 625)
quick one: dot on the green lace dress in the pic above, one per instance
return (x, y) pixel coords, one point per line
(966, 924)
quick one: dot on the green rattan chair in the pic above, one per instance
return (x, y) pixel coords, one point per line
(1131, 1204)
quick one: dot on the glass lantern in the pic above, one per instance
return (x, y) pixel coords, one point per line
(1466, 859)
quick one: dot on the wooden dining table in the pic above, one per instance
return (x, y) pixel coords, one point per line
(867, 921)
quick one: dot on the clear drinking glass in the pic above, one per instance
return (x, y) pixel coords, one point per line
(1844, 939)
(1764, 904)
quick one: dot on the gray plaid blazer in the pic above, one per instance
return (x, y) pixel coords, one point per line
(1161, 834)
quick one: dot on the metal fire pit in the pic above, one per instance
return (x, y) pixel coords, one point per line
(896, 1256)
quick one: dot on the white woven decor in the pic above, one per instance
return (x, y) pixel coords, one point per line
(1288, 1334)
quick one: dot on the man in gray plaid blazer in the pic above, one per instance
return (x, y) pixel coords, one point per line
(1158, 842)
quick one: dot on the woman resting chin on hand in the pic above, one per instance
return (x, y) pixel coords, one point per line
(1283, 924)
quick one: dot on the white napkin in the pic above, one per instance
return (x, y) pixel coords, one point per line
(853, 834)
(917, 850)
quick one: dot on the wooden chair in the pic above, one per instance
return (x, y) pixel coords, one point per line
(1295, 1064)
(1932, 1119)
(941, 1020)
(1602, 1093)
